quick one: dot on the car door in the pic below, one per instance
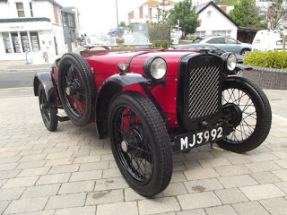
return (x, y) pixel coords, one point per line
(232, 45)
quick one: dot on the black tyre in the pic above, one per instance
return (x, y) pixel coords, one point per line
(48, 110)
(140, 143)
(76, 88)
(243, 51)
(251, 115)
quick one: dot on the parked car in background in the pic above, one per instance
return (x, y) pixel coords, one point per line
(226, 43)
(210, 48)
(267, 40)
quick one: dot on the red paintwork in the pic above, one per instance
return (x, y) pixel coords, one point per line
(104, 64)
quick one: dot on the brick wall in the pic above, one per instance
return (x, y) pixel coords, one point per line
(268, 78)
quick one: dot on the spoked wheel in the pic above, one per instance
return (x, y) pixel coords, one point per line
(247, 110)
(76, 88)
(140, 143)
(48, 110)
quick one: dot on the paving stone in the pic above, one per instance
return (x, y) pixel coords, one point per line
(282, 186)
(9, 174)
(87, 210)
(263, 166)
(94, 165)
(265, 177)
(258, 157)
(250, 208)
(276, 206)
(34, 171)
(232, 170)
(110, 184)
(107, 157)
(57, 162)
(20, 182)
(77, 187)
(175, 189)
(204, 185)
(59, 155)
(11, 194)
(214, 162)
(238, 159)
(127, 208)
(262, 192)
(111, 173)
(158, 205)
(230, 196)
(178, 166)
(54, 179)
(64, 169)
(131, 195)
(3, 206)
(282, 174)
(104, 197)
(33, 157)
(194, 156)
(200, 173)
(198, 200)
(87, 159)
(222, 210)
(66, 201)
(31, 164)
(8, 166)
(282, 163)
(177, 177)
(192, 212)
(41, 191)
(86, 175)
(48, 212)
(26, 205)
(237, 181)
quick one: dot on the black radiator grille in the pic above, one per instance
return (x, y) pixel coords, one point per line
(203, 95)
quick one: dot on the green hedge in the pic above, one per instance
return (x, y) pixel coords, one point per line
(271, 59)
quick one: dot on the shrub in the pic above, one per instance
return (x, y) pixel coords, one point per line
(161, 44)
(271, 59)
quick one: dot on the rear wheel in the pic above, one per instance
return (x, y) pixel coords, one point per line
(76, 88)
(140, 143)
(248, 111)
(48, 110)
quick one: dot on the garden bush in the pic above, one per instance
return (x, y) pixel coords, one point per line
(162, 44)
(271, 59)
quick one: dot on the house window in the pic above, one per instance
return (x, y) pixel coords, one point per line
(20, 9)
(34, 41)
(16, 42)
(31, 9)
(209, 14)
(71, 20)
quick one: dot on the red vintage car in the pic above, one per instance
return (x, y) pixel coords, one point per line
(153, 102)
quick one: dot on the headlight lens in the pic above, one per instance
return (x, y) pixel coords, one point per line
(158, 68)
(155, 67)
(231, 62)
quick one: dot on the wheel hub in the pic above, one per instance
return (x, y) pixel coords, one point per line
(232, 114)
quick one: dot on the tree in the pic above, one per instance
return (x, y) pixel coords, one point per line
(162, 13)
(188, 18)
(246, 14)
(277, 13)
(122, 24)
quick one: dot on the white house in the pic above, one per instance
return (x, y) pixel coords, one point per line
(215, 21)
(30, 26)
(148, 11)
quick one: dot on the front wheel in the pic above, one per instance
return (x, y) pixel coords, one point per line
(248, 111)
(244, 51)
(140, 143)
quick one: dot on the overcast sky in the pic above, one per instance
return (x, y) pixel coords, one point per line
(98, 16)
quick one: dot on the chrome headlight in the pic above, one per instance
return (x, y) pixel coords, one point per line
(231, 62)
(155, 67)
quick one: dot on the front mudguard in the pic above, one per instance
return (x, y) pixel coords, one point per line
(110, 87)
(45, 79)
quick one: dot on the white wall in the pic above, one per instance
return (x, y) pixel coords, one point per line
(217, 22)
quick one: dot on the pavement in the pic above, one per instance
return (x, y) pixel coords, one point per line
(70, 171)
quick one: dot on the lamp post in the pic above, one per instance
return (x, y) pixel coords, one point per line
(117, 13)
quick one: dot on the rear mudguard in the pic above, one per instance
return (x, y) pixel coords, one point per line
(45, 78)
(110, 87)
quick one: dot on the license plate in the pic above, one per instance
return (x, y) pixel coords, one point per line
(201, 137)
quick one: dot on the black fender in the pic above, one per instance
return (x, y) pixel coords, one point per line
(45, 78)
(110, 87)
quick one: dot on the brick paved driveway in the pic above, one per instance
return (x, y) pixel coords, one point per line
(72, 172)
